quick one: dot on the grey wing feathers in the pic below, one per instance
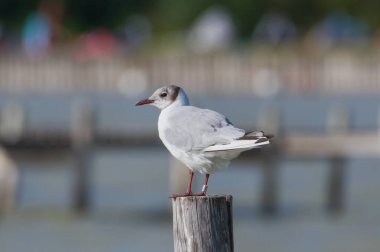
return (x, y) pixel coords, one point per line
(249, 141)
(195, 129)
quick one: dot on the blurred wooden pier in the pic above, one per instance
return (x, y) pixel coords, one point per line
(261, 71)
(336, 145)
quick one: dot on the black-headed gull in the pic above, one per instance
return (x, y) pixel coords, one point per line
(202, 139)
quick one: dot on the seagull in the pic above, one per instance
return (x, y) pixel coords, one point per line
(204, 140)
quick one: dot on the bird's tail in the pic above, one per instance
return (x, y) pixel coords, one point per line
(250, 140)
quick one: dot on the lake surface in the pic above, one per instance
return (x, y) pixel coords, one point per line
(131, 211)
(116, 112)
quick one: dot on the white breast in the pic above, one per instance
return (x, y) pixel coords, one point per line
(163, 124)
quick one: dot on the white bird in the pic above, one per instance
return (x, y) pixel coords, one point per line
(202, 139)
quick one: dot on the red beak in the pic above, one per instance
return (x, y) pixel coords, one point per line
(143, 102)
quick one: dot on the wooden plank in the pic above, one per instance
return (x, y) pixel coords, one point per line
(203, 224)
(354, 144)
(292, 145)
(297, 145)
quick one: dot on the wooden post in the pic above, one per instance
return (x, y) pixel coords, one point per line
(269, 193)
(269, 121)
(203, 224)
(335, 185)
(12, 122)
(337, 123)
(8, 182)
(81, 140)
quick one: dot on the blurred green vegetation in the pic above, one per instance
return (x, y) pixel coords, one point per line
(173, 15)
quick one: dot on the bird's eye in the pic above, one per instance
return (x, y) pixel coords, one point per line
(162, 95)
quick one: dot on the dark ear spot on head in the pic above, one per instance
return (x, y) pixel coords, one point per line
(176, 91)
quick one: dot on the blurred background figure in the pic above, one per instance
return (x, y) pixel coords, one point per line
(43, 27)
(136, 33)
(275, 28)
(339, 28)
(214, 30)
(99, 43)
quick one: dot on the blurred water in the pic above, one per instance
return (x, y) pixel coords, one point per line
(118, 112)
(130, 208)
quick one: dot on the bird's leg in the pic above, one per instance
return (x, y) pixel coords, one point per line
(191, 174)
(204, 188)
(188, 191)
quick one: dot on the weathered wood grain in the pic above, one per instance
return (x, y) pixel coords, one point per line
(203, 224)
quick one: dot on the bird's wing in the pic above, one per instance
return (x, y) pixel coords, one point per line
(250, 140)
(192, 128)
(238, 144)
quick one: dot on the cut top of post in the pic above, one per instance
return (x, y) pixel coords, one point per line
(203, 223)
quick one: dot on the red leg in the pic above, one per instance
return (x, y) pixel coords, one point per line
(206, 180)
(204, 189)
(188, 191)
(191, 174)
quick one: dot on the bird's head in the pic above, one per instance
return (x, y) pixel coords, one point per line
(166, 96)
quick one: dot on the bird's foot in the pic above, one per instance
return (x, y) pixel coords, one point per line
(187, 194)
(199, 194)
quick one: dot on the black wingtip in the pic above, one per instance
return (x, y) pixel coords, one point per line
(262, 140)
(269, 136)
(255, 135)
(248, 138)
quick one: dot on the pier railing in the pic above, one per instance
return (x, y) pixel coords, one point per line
(262, 72)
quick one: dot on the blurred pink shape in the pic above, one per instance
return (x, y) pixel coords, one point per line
(99, 43)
